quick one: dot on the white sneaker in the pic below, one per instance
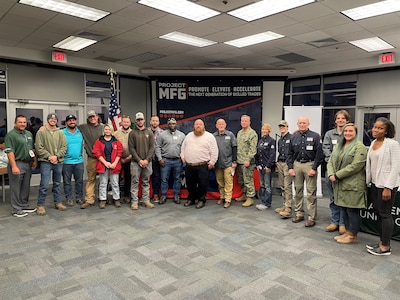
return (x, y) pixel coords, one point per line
(261, 207)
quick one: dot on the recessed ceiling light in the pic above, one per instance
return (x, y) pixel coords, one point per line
(68, 8)
(372, 10)
(372, 44)
(255, 39)
(74, 43)
(182, 8)
(187, 39)
(266, 8)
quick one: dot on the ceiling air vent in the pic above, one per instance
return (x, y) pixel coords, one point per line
(294, 58)
(146, 57)
(323, 42)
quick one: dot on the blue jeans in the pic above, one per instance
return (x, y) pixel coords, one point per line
(77, 171)
(114, 182)
(174, 166)
(336, 212)
(352, 219)
(266, 192)
(45, 172)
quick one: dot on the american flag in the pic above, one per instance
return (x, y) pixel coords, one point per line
(114, 113)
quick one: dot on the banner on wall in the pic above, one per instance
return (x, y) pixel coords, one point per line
(188, 99)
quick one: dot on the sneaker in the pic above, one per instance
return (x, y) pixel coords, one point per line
(41, 211)
(148, 204)
(79, 201)
(177, 200)
(261, 207)
(134, 206)
(70, 203)
(156, 199)
(379, 252)
(162, 200)
(372, 246)
(60, 206)
(20, 214)
(29, 210)
(227, 204)
(127, 199)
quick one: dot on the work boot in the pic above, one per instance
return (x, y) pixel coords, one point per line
(342, 229)
(349, 238)
(331, 228)
(241, 198)
(60, 206)
(41, 211)
(127, 199)
(117, 203)
(286, 213)
(220, 201)
(227, 204)
(249, 202)
(341, 236)
(280, 209)
(85, 205)
(109, 202)
(70, 202)
(134, 206)
(102, 204)
(148, 204)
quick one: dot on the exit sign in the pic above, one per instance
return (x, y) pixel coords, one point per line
(387, 58)
(59, 57)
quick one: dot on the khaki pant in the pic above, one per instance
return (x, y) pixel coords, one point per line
(225, 183)
(301, 170)
(246, 181)
(91, 180)
(285, 182)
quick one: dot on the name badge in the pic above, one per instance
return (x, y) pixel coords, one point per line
(174, 137)
(265, 144)
(334, 142)
(288, 141)
(309, 148)
(310, 139)
(31, 153)
(227, 137)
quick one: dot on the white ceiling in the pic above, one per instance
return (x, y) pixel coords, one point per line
(128, 38)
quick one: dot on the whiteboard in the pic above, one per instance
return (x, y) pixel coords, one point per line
(314, 114)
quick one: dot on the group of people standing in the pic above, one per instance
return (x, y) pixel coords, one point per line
(154, 155)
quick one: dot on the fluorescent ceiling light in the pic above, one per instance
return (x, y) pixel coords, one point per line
(255, 39)
(372, 44)
(182, 8)
(68, 8)
(266, 8)
(74, 43)
(187, 39)
(372, 10)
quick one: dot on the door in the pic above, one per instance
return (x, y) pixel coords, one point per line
(36, 115)
(368, 117)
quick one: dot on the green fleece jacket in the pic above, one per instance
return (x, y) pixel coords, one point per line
(49, 143)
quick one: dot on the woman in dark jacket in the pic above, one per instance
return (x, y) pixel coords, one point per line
(108, 151)
(346, 170)
(265, 162)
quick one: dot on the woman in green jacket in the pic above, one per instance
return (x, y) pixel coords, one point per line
(346, 169)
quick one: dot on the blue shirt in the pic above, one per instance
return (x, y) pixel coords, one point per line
(73, 155)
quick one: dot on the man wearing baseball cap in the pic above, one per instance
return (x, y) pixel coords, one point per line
(91, 131)
(141, 147)
(51, 147)
(73, 161)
